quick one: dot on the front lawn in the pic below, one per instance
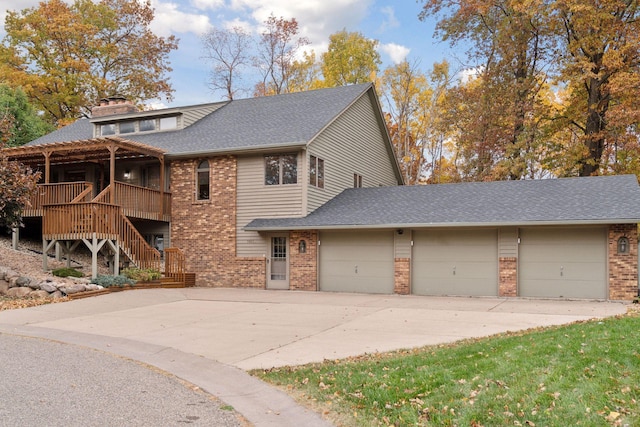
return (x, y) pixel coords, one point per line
(586, 374)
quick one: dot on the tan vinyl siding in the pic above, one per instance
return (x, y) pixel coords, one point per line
(508, 243)
(351, 144)
(192, 115)
(257, 200)
(403, 244)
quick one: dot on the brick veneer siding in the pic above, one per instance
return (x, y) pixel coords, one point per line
(623, 268)
(205, 230)
(303, 272)
(402, 275)
(508, 271)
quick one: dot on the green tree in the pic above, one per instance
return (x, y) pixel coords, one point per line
(66, 57)
(350, 59)
(20, 121)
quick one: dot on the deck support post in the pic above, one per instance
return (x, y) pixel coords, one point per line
(15, 236)
(46, 246)
(94, 246)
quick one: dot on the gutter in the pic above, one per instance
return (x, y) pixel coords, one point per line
(237, 150)
(443, 225)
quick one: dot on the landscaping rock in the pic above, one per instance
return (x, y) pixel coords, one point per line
(56, 294)
(39, 294)
(48, 286)
(93, 287)
(23, 281)
(73, 288)
(4, 287)
(19, 292)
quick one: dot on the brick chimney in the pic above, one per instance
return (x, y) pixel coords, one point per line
(113, 105)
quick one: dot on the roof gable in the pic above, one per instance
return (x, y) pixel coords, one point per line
(602, 199)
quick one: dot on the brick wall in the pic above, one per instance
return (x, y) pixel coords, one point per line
(303, 271)
(623, 268)
(206, 229)
(508, 271)
(402, 273)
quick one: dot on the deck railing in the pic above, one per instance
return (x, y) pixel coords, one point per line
(138, 202)
(64, 192)
(174, 264)
(104, 221)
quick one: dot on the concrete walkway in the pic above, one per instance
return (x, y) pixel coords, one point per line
(209, 336)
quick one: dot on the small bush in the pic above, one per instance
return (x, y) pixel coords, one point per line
(108, 281)
(141, 275)
(67, 272)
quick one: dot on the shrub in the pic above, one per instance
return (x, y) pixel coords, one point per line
(108, 281)
(141, 275)
(67, 272)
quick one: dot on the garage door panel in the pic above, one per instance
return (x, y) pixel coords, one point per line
(357, 262)
(563, 263)
(455, 262)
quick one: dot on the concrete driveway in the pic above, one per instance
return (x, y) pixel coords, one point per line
(262, 329)
(209, 336)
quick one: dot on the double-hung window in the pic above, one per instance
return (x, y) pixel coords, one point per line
(316, 172)
(281, 169)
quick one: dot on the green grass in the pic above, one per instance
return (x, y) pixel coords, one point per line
(587, 374)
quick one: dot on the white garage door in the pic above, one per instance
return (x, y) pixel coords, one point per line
(455, 262)
(563, 263)
(357, 262)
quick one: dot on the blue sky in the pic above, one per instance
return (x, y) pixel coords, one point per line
(394, 23)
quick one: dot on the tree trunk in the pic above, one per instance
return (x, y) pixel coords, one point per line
(594, 128)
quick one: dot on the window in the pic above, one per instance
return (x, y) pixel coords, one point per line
(127, 127)
(316, 172)
(147, 125)
(109, 129)
(357, 180)
(202, 178)
(167, 123)
(282, 169)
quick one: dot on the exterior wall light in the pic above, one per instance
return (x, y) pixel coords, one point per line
(127, 174)
(623, 245)
(302, 247)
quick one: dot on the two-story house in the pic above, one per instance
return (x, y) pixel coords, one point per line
(266, 193)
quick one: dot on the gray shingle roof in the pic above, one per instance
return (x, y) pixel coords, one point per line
(606, 199)
(244, 124)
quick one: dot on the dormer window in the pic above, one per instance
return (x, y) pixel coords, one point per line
(127, 127)
(148, 124)
(108, 129)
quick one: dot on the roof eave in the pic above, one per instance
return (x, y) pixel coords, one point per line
(449, 225)
(237, 150)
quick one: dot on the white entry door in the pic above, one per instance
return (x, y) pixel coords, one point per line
(278, 263)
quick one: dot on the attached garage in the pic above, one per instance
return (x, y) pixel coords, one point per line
(455, 262)
(357, 262)
(563, 263)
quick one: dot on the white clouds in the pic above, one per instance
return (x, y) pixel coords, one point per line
(317, 18)
(391, 21)
(169, 20)
(207, 4)
(396, 52)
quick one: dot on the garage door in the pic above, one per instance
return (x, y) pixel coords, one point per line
(455, 262)
(563, 263)
(357, 262)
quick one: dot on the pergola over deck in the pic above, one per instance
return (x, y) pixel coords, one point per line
(71, 214)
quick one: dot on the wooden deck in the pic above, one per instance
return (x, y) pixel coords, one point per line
(136, 202)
